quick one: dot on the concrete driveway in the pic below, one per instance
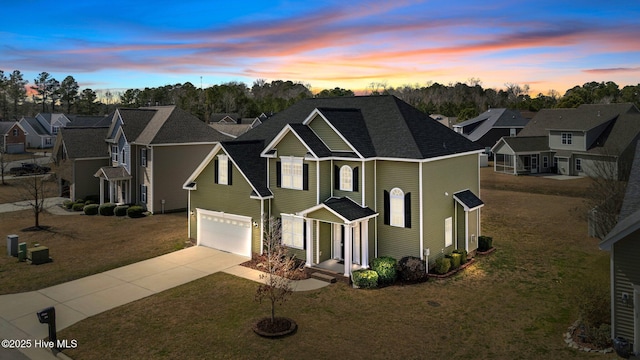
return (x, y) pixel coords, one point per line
(76, 300)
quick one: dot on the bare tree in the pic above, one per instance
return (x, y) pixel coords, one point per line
(278, 266)
(3, 165)
(32, 188)
(606, 193)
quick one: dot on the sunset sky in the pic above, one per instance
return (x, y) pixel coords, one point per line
(119, 44)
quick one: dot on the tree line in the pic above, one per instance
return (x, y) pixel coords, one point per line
(463, 100)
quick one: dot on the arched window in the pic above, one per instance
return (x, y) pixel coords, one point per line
(346, 178)
(396, 207)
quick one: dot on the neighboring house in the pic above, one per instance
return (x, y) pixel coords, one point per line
(591, 140)
(43, 129)
(623, 242)
(487, 128)
(235, 129)
(153, 150)
(444, 120)
(12, 137)
(350, 178)
(78, 152)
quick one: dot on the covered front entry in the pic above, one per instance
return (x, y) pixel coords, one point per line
(338, 232)
(467, 219)
(118, 185)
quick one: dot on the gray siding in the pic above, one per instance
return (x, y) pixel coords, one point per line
(626, 273)
(578, 140)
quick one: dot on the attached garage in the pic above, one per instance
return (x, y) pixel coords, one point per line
(15, 148)
(223, 231)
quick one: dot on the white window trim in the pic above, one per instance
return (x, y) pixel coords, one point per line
(346, 178)
(396, 207)
(292, 231)
(143, 193)
(545, 161)
(114, 154)
(578, 164)
(291, 169)
(124, 157)
(223, 170)
(15, 132)
(448, 231)
(143, 157)
(566, 138)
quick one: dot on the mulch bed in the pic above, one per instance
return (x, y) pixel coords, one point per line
(299, 273)
(452, 272)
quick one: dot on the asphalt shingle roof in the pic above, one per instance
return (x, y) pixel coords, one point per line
(35, 124)
(84, 142)
(394, 128)
(493, 118)
(311, 139)
(348, 209)
(246, 154)
(89, 121)
(469, 199)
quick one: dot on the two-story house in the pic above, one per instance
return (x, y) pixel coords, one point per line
(351, 179)
(12, 137)
(152, 151)
(591, 140)
(43, 129)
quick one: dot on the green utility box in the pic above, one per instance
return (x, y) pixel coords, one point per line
(22, 251)
(38, 255)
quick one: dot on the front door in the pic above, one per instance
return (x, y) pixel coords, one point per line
(534, 164)
(338, 242)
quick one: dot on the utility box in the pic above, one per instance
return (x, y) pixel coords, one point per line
(38, 255)
(22, 251)
(12, 245)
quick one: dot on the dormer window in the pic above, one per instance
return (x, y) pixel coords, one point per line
(567, 138)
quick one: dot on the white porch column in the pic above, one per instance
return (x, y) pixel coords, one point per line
(101, 191)
(309, 240)
(112, 191)
(364, 243)
(347, 249)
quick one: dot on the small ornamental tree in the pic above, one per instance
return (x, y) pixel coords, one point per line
(277, 265)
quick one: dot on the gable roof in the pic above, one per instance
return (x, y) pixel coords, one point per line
(36, 126)
(232, 130)
(6, 126)
(388, 127)
(526, 143)
(166, 125)
(89, 121)
(629, 218)
(84, 142)
(492, 118)
(468, 200)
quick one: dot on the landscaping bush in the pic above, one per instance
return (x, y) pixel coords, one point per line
(95, 199)
(120, 210)
(91, 209)
(77, 206)
(106, 209)
(456, 260)
(67, 204)
(79, 201)
(385, 266)
(365, 279)
(485, 243)
(89, 202)
(135, 212)
(463, 255)
(412, 269)
(442, 266)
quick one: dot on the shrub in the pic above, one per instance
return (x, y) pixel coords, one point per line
(442, 266)
(67, 204)
(463, 255)
(78, 201)
(412, 269)
(77, 206)
(89, 202)
(91, 209)
(485, 242)
(365, 279)
(455, 260)
(385, 266)
(95, 199)
(106, 209)
(120, 210)
(135, 211)
(601, 336)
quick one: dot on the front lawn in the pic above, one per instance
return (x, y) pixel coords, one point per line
(82, 245)
(513, 304)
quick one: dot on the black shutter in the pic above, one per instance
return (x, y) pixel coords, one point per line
(355, 179)
(215, 171)
(407, 210)
(229, 171)
(305, 176)
(304, 234)
(336, 177)
(387, 208)
(278, 174)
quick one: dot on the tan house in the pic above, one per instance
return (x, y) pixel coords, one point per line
(152, 151)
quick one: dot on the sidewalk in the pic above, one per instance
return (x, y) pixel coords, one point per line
(79, 299)
(50, 204)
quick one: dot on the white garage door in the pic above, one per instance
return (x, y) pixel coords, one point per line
(15, 148)
(226, 232)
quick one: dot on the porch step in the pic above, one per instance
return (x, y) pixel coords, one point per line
(323, 277)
